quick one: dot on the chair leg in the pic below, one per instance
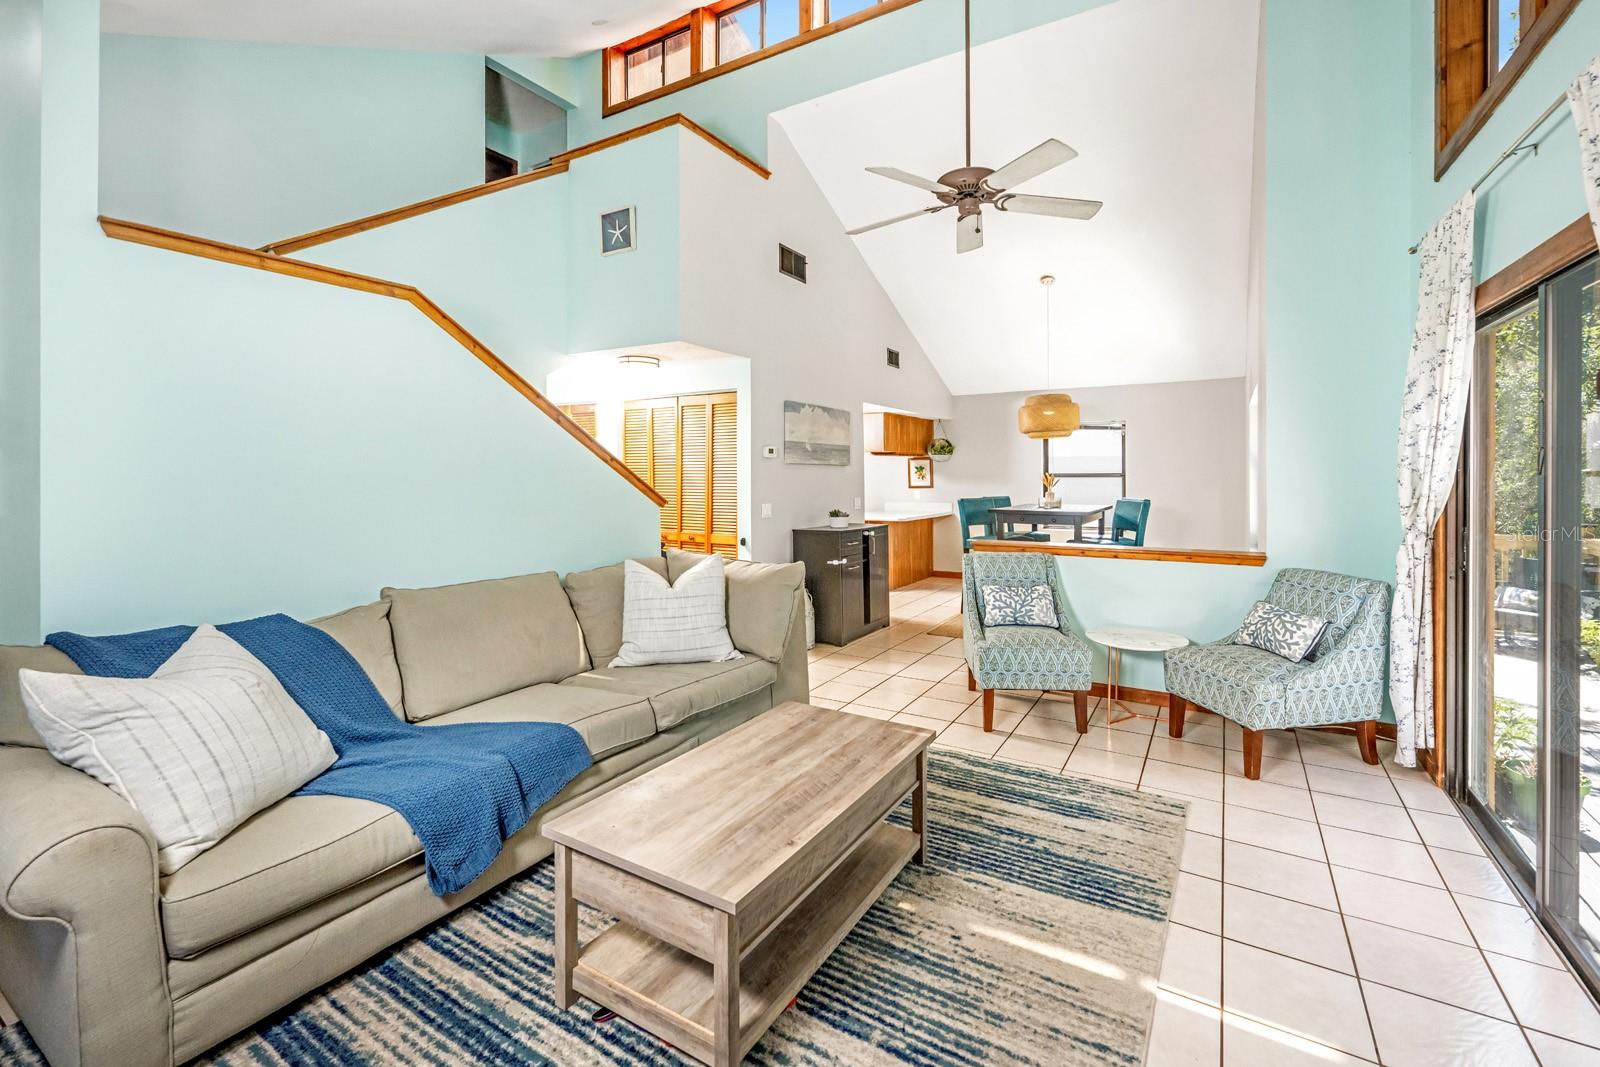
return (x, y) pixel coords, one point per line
(988, 710)
(1175, 713)
(1367, 738)
(972, 683)
(1080, 709)
(1252, 755)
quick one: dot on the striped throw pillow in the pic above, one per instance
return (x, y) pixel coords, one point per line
(682, 623)
(197, 748)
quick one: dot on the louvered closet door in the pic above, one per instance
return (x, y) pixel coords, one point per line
(686, 447)
(584, 416)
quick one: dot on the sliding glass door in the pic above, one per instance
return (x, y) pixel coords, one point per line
(1532, 742)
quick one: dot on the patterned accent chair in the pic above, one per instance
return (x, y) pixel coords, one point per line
(1342, 682)
(1021, 657)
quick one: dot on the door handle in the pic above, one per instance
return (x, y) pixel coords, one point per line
(837, 562)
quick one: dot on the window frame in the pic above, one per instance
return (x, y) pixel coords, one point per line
(1121, 473)
(703, 46)
(1467, 87)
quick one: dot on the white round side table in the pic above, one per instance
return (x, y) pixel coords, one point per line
(1120, 639)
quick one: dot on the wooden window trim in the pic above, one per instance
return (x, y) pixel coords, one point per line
(1459, 55)
(703, 21)
(1571, 244)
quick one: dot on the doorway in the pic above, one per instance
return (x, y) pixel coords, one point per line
(1530, 747)
(687, 448)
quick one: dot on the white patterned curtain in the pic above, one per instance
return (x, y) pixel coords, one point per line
(1584, 96)
(1432, 412)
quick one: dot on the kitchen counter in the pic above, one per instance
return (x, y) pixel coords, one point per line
(910, 539)
(910, 512)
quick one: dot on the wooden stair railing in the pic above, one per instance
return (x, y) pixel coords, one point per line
(138, 233)
(558, 165)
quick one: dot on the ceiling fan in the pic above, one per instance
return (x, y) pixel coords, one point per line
(969, 188)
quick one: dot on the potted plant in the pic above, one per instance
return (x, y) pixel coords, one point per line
(1516, 765)
(940, 449)
(1049, 500)
(838, 519)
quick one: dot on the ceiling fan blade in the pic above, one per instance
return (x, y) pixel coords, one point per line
(898, 218)
(1060, 206)
(1031, 164)
(910, 179)
(969, 233)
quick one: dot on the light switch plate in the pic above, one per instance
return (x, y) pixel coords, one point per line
(858, 503)
(766, 511)
(769, 452)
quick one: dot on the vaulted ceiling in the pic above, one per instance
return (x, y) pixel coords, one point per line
(537, 27)
(1159, 99)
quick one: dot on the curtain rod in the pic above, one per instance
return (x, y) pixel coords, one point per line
(1519, 145)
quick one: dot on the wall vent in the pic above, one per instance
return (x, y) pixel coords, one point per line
(791, 263)
(894, 357)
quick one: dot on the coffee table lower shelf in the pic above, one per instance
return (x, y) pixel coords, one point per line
(672, 994)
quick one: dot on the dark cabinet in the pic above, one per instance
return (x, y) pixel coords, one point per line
(847, 575)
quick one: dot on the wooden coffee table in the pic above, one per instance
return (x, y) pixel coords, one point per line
(734, 870)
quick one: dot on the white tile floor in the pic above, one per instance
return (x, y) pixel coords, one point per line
(1330, 913)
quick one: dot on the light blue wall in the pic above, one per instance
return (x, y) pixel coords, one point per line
(20, 102)
(1531, 198)
(339, 443)
(633, 297)
(735, 106)
(1337, 329)
(253, 143)
(497, 264)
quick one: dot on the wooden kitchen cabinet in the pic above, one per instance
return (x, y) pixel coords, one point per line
(890, 434)
(910, 551)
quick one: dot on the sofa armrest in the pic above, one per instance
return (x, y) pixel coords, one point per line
(82, 958)
(760, 603)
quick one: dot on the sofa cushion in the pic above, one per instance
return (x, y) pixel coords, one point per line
(680, 691)
(284, 858)
(679, 562)
(760, 605)
(15, 729)
(609, 721)
(596, 597)
(461, 644)
(364, 633)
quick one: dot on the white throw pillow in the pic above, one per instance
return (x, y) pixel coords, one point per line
(683, 623)
(197, 748)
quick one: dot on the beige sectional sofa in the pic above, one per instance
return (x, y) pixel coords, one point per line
(111, 965)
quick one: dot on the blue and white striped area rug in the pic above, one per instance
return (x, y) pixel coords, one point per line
(1033, 937)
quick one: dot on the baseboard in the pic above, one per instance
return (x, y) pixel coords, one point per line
(947, 574)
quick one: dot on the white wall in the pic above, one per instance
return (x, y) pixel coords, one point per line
(823, 342)
(1186, 452)
(254, 143)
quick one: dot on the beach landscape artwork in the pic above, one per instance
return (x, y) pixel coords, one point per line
(815, 434)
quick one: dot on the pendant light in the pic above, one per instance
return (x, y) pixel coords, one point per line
(1046, 415)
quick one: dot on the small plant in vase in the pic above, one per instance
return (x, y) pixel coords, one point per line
(1049, 500)
(838, 519)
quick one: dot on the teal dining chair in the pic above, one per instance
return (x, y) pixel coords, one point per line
(1128, 520)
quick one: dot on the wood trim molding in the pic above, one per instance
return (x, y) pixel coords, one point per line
(1544, 27)
(1170, 555)
(703, 74)
(558, 165)
(1567, 247)
(946, 574)
(138, 233)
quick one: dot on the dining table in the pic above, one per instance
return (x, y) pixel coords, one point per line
(1033, 516)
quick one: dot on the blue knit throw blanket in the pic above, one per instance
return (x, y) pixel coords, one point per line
(464, 788)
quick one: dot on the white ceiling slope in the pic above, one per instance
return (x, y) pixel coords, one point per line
(534, 27)
(1158, 97)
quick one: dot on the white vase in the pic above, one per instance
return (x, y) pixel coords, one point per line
(838, 522)
(1049, 500)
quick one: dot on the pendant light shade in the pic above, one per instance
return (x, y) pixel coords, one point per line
(1046, 415)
